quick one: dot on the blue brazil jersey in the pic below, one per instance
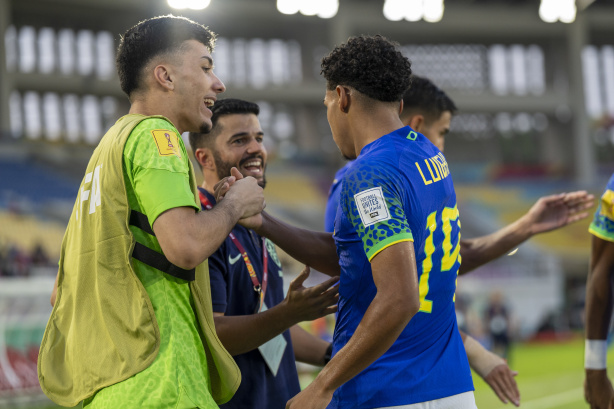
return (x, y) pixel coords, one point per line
(603, 221)
(400, 189)
(232, 293)
(333, 199)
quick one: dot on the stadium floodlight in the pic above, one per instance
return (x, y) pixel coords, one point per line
(288, 6)
(329, 9)
(393, 10)
(189, 4)
(311, 8)
(414, 10)
(320, 8)
(433, 10)
(551, 11)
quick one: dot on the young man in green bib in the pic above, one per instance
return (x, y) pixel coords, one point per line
(132, 324)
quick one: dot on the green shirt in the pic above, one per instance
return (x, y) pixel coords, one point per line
(156, 174)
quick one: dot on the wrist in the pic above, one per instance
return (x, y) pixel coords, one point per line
(595, 354)
(525, 227)
(481, 360)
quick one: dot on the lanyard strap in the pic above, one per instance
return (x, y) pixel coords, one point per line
(258, 288)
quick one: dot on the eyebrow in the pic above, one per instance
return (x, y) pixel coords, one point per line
(207, 58)
(240, 134)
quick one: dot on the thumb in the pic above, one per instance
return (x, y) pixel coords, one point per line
(235, 172)
(300, 279)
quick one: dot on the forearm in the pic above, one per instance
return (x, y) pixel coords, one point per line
(599, 289)
(381, 325)
(307, 347)
(316, 249)
(480, 250)
(187, 238)
(243, 333)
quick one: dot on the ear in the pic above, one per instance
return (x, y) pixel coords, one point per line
(416, 122)
(204, 156)
(163, 76)
(344, 98)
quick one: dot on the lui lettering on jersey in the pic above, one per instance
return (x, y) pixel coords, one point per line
(436, 167)
(84, 195)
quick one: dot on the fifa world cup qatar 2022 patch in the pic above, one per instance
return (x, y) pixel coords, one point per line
(372, 206)
(167, 142)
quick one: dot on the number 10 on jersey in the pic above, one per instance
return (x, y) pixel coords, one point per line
(451, 251)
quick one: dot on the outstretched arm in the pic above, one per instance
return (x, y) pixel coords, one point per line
(316, 249)
(395, 303)
(243, 333)
(597, 387)
(548, 213)
(493, 369)
(313, 248)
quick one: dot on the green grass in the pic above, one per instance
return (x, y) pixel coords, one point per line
(550, 376)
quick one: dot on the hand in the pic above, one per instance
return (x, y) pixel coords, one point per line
(222, 187)
(253, 222)
(556, 211)
(307, 304)
(502, 382)
(310, 398)
(598, 390)
(244, 191)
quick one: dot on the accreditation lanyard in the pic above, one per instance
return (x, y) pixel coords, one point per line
(258, 288)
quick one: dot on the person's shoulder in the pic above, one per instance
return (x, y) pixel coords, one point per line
(157, 136)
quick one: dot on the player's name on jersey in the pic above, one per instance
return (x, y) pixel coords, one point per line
(436, 167)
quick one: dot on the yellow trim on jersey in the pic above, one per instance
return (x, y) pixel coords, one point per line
(600, 235)
(389, 242)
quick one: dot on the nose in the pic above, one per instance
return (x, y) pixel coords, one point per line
(254, 146)
(218, 85)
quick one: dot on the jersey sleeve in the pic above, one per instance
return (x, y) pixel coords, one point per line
(156, 162)
(218, 274)
(602, 225)
(371, 198)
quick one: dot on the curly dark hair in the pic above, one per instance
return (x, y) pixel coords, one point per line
(228, 106)
(373, 65)
(153, 37)
(426, 98)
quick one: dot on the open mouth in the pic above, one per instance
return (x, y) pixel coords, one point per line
(209, 102)
(253, 166)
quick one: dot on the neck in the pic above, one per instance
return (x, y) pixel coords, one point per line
(367, 127)
(209, 181)
(155, 104)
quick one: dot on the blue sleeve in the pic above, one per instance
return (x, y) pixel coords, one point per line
(333, 199)
(331, 206)
(371, 197)
(218, 276)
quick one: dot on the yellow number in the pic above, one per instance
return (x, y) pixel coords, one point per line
(451, 252)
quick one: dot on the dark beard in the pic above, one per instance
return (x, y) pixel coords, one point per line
(223, 168)
(205, 128)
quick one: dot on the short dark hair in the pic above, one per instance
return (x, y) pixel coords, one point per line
(426, 98)
(373, 65)
(228, 106)
(153, 37)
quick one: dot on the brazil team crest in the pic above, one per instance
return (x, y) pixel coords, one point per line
(270, 248)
